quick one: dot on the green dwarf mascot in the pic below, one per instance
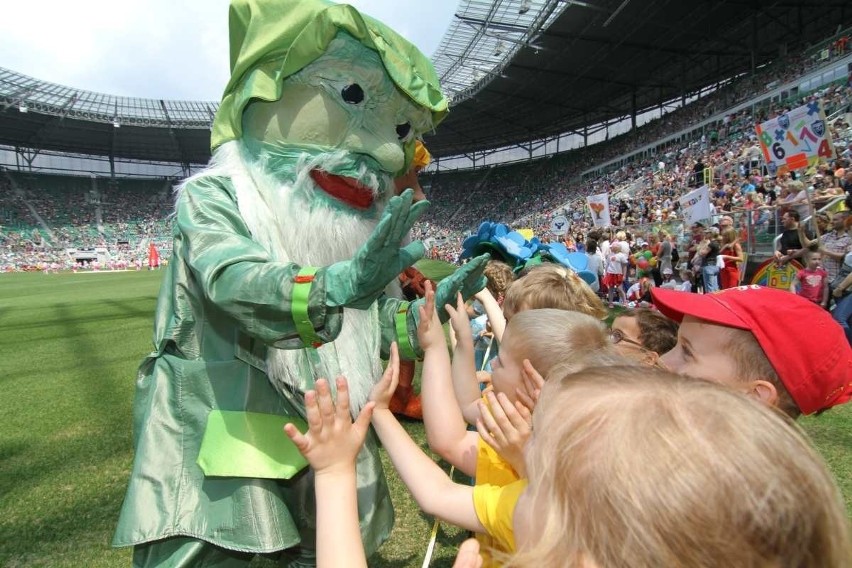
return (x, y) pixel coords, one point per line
(283, 248)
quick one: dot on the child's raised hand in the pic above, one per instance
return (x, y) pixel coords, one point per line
(332, 441)
(533, 381)
(430, 334)
(383, 390)
(506, 427)
(459, 318)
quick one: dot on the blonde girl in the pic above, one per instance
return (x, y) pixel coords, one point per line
(638, 468)
(732, 253)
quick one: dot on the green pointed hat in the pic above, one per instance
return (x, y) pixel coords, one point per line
(272, 39)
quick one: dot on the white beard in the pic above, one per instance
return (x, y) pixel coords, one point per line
(294, 224)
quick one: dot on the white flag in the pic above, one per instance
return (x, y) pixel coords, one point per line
(695, 205)
(599, 206)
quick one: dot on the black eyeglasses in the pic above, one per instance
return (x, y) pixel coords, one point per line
(617, 336)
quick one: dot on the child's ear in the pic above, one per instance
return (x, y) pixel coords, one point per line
(764, 391)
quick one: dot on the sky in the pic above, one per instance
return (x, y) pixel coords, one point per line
(160, 49)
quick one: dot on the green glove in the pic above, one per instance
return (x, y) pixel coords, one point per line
(357, 283)
(468, 279)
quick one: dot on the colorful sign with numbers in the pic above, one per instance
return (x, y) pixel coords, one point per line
(795, 140)
(771, 275)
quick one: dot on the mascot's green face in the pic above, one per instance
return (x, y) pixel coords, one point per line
(344, 102)
(322, 93)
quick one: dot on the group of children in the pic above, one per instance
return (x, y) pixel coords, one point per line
(595, 447)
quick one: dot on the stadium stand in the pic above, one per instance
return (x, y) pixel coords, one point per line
(645, 170)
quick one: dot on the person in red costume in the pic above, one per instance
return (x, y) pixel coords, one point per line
(405, 402)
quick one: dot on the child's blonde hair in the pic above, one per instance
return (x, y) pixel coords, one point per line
(639, 468)
(561, 340)
(552, 286)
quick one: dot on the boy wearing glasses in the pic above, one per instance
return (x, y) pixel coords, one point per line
(643, 334)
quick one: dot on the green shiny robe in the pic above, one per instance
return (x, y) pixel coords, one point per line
(222, 304)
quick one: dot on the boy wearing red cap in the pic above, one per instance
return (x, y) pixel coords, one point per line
(745, 337)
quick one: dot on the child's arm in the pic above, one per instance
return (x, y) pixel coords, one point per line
(465, 383)
(506, 428)
(493, 311)
(446, 430)
(434, 491)
(794, 283)
(824, 296)
(330, 446)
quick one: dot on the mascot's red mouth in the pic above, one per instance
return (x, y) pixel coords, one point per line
(345, 189)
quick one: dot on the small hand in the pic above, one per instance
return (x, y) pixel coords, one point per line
(383, 390)
(505, 427)
(430, 334)
(533, 381)
(332, 441)
(458, 317)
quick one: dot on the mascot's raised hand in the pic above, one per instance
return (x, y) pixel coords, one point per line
(357, 283)
(468, 280)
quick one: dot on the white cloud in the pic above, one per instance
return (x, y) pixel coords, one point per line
(170, 49)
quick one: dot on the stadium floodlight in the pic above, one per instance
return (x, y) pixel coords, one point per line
(22, 106)
(525, 7)
(116, 123)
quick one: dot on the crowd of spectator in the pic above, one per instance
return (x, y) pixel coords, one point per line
(43, 217)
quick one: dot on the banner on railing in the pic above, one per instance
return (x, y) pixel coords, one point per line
(695, 205)
(599, 206)
(795, 140)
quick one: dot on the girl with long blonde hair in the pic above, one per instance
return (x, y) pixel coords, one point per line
(639, 468)
(732, 254)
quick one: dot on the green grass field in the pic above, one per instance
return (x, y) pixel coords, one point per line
(70, 345)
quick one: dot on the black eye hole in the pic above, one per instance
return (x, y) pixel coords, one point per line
(352, 94)
(402, 130)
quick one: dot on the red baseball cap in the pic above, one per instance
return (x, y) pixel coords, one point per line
(807, 348)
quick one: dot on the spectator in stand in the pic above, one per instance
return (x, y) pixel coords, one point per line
(731, 252)
(687, 281)
(709, 251)
(841, 285)
(834, 245)
(616, 267)
(811, 283)
(668, 280)
(663, 255)
(640, 292)
(596, 264)
(789, 246)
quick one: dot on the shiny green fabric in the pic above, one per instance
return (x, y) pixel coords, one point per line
(273, 39)
(222, 303)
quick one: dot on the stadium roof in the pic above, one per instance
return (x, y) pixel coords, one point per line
(38, 114)
(516, 71)
(603, 59)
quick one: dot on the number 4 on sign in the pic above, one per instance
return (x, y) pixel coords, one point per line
(824, 150)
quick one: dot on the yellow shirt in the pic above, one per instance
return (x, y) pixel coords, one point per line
(494, 497)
